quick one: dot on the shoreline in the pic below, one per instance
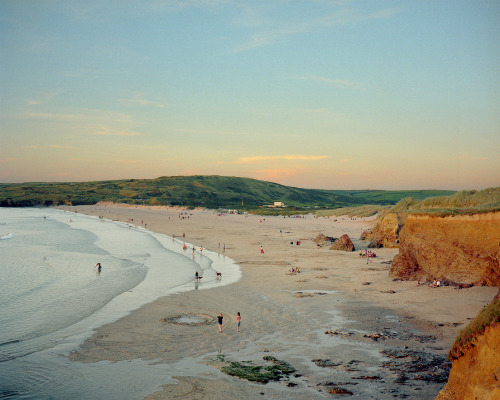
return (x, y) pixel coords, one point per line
(283, 315)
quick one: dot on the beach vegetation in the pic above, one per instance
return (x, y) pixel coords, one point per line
(465, 202)
(259, 373)
(127, 193)
(368, 210)
(489, 315)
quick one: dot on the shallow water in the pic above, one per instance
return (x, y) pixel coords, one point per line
(52, 298)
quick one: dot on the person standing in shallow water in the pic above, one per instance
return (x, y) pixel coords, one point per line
(238, 321)
(219, 322)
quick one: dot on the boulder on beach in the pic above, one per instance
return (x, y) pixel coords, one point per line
(321, 239)
(343, 243)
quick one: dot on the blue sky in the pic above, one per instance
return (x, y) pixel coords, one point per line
(325, 94)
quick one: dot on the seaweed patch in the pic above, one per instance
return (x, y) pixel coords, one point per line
(259, 373)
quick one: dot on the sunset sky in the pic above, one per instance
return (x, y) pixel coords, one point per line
(345, 94)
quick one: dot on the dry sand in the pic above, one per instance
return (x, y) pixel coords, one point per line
(285, 315)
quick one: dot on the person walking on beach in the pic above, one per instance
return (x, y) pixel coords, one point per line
(219, 322)
(98, 266)
(261, 250)
(238, 321)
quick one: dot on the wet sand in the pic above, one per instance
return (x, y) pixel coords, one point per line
(377, 329)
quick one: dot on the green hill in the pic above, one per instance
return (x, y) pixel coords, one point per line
(197, 191)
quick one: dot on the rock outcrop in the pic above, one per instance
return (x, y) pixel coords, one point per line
(475, 372)
(343, 243)
(386, 232)
(461, 249)
(321, 239)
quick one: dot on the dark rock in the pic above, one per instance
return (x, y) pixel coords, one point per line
(321, 239)
(343, 243)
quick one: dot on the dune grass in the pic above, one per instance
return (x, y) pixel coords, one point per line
(488, 316)
(464, 202)
(361, 211)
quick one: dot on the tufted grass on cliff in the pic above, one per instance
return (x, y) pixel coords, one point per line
(368, 210)
(465, 202)
(488, 316)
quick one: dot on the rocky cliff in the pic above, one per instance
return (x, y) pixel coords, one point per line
(386, 232)
(461, 249)
(475, 373)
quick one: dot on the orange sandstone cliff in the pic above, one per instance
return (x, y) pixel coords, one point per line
(461, 249)
(386, 232)
(475, 372)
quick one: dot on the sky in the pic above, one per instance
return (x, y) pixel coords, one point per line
(346, 94)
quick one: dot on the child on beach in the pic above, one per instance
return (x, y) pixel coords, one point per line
(238, 321)
(219, 322)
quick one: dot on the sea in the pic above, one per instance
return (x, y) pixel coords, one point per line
(52, 297)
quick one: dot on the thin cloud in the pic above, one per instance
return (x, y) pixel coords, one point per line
(58, 146)
(48, 146)
(144, 102)
(85, 115)
(208, 132)
(58, 116)
(130, 162)
(43, 98)
(108, 131)
(338, 18)
(276, 174)
(291, 157)
(344, 83)
(467, 158)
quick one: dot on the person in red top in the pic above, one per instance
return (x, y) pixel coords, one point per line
(238, 321)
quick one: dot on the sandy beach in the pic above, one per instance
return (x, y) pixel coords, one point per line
(369, 318)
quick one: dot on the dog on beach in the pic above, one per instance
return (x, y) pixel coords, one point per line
(219, 275)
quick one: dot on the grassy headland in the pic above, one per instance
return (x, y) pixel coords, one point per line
(460, 203)
(199, 191)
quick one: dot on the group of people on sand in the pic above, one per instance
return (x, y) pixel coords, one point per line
(435, 283)
(238, 322)
(294, 270)
(367, 253)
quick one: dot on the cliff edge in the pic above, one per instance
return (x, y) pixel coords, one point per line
(386, 231)
(475, 372)
(461, 249)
